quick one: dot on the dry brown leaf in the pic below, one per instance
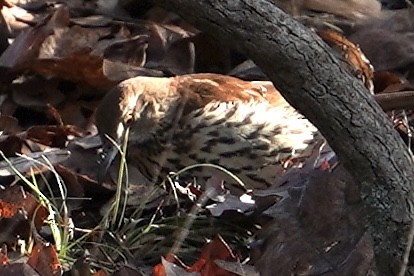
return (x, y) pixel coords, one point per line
(3, 259)
(19, 200)
(388, 51)
(352, 9)
(319, 229)
(33, 163)
(127, 271)
(44, 259)
(384, 79)
(10, 145)
(52, 136)
(217, 249)
(8, 124)
(37, 93)
(19, 269)
(26, 46)
(19, 211)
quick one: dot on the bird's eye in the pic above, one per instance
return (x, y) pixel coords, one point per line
(129, 119)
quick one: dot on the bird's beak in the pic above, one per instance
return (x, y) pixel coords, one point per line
(110, 148)
(108, 154)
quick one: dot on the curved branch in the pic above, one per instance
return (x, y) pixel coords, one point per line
(311, 79)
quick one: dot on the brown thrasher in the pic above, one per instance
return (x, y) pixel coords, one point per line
(245, 127)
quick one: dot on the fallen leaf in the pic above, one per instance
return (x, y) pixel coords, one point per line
(20, 269)
(35, 161)
(52, 136)
(378, 50)
(3, 259)
(172, 269)
(44, 260)
(15, 199)
(169, 263)
(217, 249)
(127, 271)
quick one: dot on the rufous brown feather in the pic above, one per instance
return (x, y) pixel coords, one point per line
(245, 127)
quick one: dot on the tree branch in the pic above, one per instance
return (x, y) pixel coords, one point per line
(302, 67)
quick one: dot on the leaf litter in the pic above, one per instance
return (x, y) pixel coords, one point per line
(57, 62)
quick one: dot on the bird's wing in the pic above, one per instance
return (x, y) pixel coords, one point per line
(201, 89)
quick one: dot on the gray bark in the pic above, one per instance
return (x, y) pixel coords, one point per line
(311, 79)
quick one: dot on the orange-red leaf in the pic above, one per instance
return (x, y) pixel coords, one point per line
(3, 259)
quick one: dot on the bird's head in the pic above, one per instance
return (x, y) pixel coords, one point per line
(135, 104)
